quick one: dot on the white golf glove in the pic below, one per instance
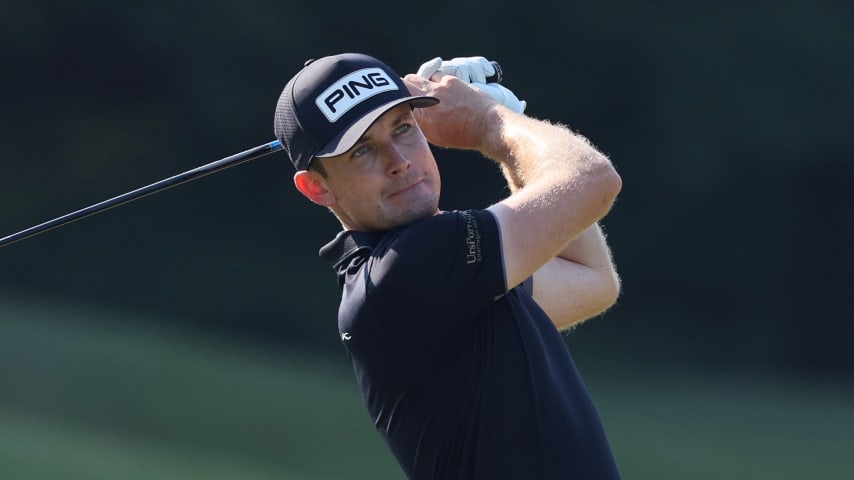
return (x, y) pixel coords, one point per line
(474, 70)
(467, 69)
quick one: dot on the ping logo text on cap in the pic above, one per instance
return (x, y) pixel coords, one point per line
(351, 90)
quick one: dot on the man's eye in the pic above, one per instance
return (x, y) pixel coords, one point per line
(403, 128)
(360, 151)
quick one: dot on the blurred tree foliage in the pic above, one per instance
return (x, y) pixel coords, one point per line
(730, 124)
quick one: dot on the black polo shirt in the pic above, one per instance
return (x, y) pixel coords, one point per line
(463, 379)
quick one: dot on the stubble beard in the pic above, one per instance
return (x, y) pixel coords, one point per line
(411, 213)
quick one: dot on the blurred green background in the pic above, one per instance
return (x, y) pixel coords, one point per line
(192, 334)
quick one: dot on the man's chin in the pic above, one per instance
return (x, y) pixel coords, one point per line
(412, 215)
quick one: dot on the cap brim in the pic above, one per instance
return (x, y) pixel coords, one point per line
(350, 135)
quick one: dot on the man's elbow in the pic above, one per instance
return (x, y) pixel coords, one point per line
(605, 297)
(606, 294)
(612, 290)
(607, 184)
(612, 183)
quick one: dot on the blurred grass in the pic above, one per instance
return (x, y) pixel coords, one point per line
(89, 393)
(705, 426)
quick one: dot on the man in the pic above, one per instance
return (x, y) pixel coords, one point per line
(452, 319)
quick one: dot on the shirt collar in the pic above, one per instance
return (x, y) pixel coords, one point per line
(348, 244)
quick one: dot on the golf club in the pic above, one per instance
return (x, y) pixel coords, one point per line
(181, 178)
(155, 187)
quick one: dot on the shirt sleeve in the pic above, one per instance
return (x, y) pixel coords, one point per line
(437, 274)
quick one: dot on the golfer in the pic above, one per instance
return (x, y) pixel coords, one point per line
(453, 319)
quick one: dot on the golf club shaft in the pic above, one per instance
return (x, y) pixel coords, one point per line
(179, 179)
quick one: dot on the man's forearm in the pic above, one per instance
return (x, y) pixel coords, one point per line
(590, 248)
(528, 149)
(580, 282)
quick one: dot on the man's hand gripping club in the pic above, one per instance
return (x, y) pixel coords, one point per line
(475, 71)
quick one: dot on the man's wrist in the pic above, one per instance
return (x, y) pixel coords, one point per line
(494, 142)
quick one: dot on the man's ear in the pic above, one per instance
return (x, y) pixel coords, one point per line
(312, 185)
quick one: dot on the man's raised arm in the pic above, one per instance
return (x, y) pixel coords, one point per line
(561, 185)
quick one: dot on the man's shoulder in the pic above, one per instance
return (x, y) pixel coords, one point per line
(438, 246)
(438, 232)
(452, 220)
(429, 246)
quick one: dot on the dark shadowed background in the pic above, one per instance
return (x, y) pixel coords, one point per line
(192, 334)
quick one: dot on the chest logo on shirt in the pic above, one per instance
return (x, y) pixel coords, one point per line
(346, 336)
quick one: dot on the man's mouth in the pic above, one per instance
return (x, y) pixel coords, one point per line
(406, 188)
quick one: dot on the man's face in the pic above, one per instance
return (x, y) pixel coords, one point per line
(388, 179)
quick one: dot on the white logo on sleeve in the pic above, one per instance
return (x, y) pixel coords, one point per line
(346, 336)
(351, 90)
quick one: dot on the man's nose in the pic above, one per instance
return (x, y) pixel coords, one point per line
(398, 161)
